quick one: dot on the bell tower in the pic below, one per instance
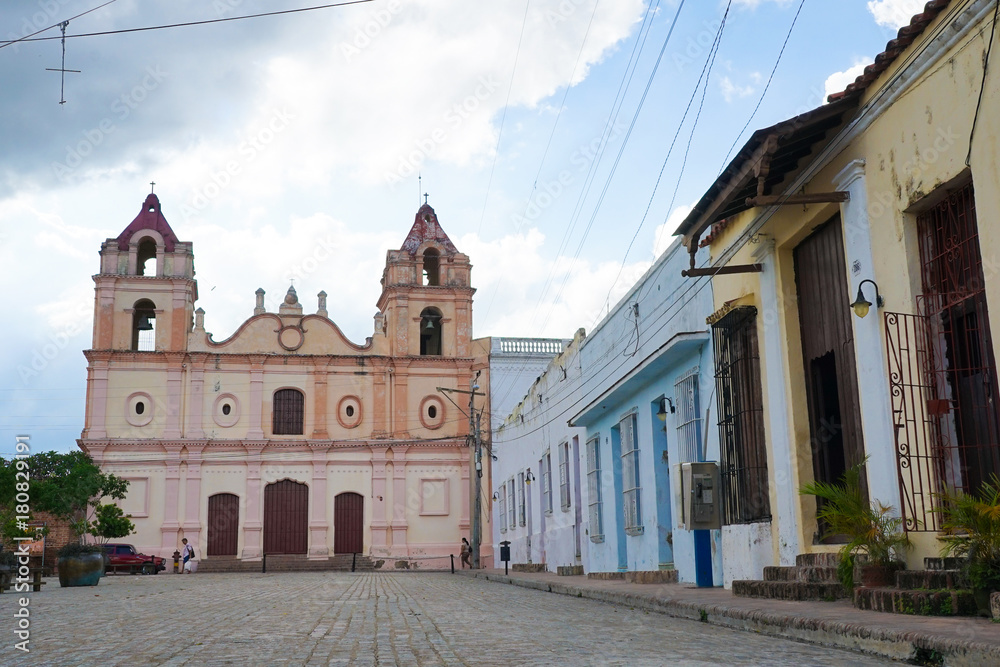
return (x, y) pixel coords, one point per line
(426, 296)
(145, 291)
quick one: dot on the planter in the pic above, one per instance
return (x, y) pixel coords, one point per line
(982, 598)
(878, 576)
(82, 570)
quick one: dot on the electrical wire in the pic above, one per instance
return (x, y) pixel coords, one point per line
(982, 86)
(186, 24)
(55, 25)
(496, 150)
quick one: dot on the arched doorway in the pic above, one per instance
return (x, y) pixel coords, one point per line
(223, 524)
(286, 517)
(348, 523)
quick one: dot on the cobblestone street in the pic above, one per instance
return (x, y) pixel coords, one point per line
(367, 619)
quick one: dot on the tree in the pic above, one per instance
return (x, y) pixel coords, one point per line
(111, 523)
(67, 485)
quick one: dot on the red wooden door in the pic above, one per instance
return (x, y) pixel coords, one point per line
(223, 524)
(348, 523)
(286, 518)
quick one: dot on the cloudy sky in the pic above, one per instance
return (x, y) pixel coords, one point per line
(288, 147)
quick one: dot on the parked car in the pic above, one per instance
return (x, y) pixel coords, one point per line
(124, 558)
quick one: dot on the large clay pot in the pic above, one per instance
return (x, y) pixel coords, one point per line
(82, 570)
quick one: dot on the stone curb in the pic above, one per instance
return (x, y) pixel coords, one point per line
(881, 642)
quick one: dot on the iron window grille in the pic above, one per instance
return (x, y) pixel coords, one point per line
(520, 499)
(688, 420)
(594, 489)
(510, 503)
(503, 509)
(564, 476)
(547, 482)
(631, 488)
(745, 494)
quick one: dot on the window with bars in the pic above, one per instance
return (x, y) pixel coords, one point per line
(289, 409)
(688, 422)
(503, 508)
(564, 476)
(594, 489)
(631, 489)
(510, 504)
(520, 499)
(547, 482)
(743, 451)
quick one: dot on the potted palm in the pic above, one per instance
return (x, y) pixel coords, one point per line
(873, 530)
(970, 527)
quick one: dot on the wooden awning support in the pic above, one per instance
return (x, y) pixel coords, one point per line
(723, 270)
(815, 198)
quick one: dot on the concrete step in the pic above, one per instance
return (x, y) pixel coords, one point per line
(287, 563)
(922, 603)
(786, 573)
(929, 579)
(606, 576)
(569, 570)
(528, 567)
(652, 577)
(818, 575)
(788, 590)
(818, 560)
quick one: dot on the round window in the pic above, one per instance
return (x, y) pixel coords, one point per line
(226, 409)
(432, 411)
(140, 407)
(349, 410)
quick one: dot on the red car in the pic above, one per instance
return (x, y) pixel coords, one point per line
(123, 557)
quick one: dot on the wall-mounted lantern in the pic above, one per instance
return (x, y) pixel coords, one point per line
(861, 305)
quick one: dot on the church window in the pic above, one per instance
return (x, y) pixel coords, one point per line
(289, 409)
(430, 332)
(431, 267)
(144, 326)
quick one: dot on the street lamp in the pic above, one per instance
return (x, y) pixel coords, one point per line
(862, 305)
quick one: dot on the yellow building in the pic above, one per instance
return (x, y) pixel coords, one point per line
(285, 437)
(893, 189)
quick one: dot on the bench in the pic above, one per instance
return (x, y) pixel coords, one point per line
(8, 580)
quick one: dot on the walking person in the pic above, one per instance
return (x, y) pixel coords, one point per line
(466, 553)
(187, 553)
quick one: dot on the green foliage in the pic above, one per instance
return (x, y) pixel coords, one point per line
(845, 571)
(970, 524)
(111, 523)
(67, 485)
(77, 549)
(871, 527)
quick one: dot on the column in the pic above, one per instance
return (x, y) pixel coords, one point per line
(399, 523)
(873, 381)
(256, 429)
(192, 496)
(99, 399)
(380, 527)
(319, 524)
(778, 412)
(172, 428)
(400, 414)
(195, 426)
(169, 538)
(252, 526)
(320, 401)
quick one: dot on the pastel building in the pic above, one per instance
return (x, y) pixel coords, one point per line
(285, 437)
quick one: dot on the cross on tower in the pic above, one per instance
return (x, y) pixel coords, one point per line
(425, 197)
(152, 186)
(62, 70)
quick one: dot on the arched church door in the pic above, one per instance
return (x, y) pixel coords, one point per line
(286, 517)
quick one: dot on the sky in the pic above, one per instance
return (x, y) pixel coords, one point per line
(559, 141)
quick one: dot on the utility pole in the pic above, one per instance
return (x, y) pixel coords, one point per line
(474, 422)
(476, 444)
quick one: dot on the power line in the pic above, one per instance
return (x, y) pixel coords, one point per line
(503, 118)
(186, 24)
(54, 25)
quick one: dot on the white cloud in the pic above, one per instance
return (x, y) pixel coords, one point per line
(894, 13)
(837, 81)
(664, 234)
(731, 91)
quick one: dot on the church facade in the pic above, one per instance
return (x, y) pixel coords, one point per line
(286, 437)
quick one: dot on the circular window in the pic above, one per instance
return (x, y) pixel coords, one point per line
(226, 411)
(432, 412)
(349, 413)
(139, 408)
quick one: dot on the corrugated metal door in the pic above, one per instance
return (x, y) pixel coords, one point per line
(286, 517)
(828, 359)
(223, 524)
(348, 523)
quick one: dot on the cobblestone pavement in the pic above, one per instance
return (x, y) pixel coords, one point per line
(366, 619)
